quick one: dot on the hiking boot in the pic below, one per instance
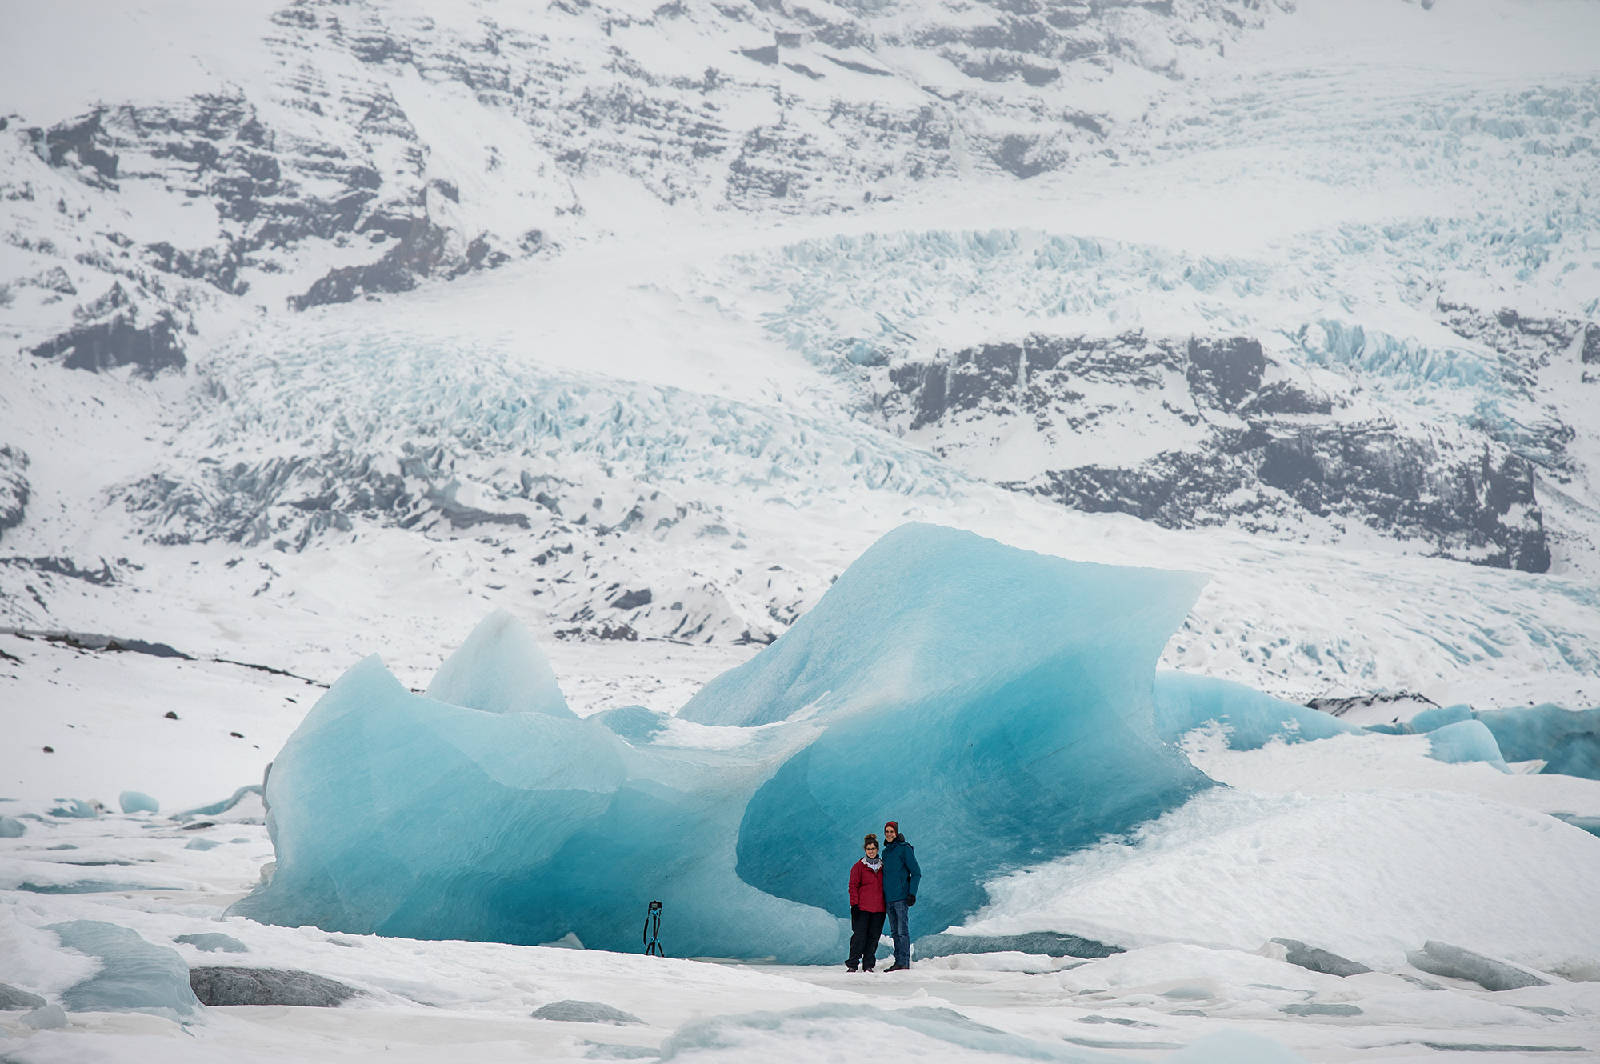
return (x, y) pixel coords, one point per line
(898, 968)
(851, 968)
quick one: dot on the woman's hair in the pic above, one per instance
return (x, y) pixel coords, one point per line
(870, 840)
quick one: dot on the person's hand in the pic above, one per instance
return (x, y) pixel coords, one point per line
(911, 899)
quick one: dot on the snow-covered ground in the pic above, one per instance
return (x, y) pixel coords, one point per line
(1370, 870)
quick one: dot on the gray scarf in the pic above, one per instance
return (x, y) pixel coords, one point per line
(874, 863)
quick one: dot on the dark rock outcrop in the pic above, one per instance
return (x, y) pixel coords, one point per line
(420, 251)
(1266, 452)
(632, 600)
(1320, 960)
(267, 986)
(1047, 943)
(572, 1011)
(1319, 1008)
(113, 332)
(13, 486)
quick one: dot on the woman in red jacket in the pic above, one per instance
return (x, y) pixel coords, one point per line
(866, 907)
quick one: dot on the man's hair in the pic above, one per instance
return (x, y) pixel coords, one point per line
(870, 840)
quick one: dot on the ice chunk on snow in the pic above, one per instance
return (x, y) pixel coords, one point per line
(238, 802)
(584, 1012)
(500, 669)
(11, 828)
(1252, 719)
(1011, 690)
(137, 802)
(74, 809)
(213, 942)
(1319, 960)
(13, 998)
(1463, 741)
(1453, 962)
(1439, 716)
(136, 976)
(1567, 741)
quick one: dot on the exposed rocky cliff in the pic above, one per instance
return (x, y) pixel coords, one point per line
(347, 154)
(1194, 432)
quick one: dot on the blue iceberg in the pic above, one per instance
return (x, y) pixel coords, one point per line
(1250, 718)
(997, 702)
(1464, 741)
(138, 802)
(1566, 740)
(1438, 717)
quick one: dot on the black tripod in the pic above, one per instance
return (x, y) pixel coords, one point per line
(652, 930)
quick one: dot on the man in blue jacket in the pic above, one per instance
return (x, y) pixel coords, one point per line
(901, 876)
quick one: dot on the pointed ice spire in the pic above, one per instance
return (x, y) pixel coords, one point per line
(500, 669)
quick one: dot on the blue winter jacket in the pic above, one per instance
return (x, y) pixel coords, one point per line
(901, 875)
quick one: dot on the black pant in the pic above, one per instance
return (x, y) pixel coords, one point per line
(865, 929)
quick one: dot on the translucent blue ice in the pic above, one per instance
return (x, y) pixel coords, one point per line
(390, 811)
(500, 669)
(12, 828)
(1251, 719)
(997, 702)
(135, 975)
(137, 802)
(74, 809)
(222, 806)
(1439, 716)
(1463, 741)
(213, 942)
(1567, 740)
(636, 724)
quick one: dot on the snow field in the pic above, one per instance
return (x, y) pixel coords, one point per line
(1366, 875)
(1141, 1005)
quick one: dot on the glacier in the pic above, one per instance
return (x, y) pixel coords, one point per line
(997, 702)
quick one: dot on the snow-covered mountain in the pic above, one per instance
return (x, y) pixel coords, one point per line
(646, 322)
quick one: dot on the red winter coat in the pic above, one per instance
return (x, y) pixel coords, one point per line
(866, 888)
